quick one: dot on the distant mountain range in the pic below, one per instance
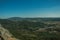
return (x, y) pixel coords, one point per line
(15, 18)
(34, 19)
(37, 19)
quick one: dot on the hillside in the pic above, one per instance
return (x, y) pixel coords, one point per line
(33, 30)
(32, 19)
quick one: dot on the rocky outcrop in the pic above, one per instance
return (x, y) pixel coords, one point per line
(6, 34)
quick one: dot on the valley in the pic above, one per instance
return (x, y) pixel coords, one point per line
(32, 29)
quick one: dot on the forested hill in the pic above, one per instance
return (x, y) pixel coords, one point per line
(33, 30)
(36, 19)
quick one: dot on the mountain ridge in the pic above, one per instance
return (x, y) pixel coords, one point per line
(33, 19)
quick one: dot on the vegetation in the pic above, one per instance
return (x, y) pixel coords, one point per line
(30, 30)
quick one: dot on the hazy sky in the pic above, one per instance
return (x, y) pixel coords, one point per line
(29, 8)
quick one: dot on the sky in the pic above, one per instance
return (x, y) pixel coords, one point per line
(29, 8)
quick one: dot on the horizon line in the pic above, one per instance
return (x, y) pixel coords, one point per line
(29, 17)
